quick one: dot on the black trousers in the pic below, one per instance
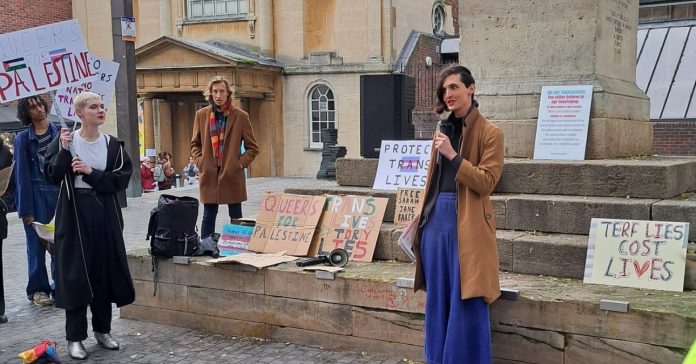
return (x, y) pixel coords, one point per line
(2, 286)
(90, 209)
(210, 211)
(76, 320)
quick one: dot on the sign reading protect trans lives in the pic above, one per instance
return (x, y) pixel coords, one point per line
(635, 253)
(402, 164)
(564, 118)
(36, 60)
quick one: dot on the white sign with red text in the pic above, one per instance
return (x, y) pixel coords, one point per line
(36, 60)
(102, 83)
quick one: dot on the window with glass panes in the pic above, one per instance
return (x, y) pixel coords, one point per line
(322, 113)
(216, 8)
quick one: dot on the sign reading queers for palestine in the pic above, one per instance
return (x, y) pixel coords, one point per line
(286, 223)
(402, 164)
(634, 253)
(564, 119)
(41, 59)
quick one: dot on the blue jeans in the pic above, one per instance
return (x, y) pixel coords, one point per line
(210, 211)
(44, 208)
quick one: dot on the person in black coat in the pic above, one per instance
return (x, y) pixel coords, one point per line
(91, 267)
(6, 205)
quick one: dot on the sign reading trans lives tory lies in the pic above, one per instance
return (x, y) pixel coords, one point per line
(41, 59)
(402, 164)
(635, 253)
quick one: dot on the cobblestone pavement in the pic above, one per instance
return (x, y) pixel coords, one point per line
(143, 342)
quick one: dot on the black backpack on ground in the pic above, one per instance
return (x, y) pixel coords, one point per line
(172, 229)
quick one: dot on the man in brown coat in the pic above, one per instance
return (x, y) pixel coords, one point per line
(218, 132)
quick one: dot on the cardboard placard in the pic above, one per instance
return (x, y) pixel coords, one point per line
(408, 204)
(36, 60)
(286, 223)
(402, 163)
(234, 239)
(351, 223)
(635, 253)
(258, 261)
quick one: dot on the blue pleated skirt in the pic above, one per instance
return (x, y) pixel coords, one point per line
(456, 331)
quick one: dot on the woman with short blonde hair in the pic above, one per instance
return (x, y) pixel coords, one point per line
(91, 267)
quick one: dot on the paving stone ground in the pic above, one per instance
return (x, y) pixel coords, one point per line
(144, 342)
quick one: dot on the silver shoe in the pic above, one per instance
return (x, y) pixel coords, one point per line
(106, 341)
(77, 350)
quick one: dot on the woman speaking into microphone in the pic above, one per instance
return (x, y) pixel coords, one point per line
(91, 267)
(455, 248)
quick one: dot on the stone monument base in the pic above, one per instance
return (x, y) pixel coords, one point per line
(606, 138)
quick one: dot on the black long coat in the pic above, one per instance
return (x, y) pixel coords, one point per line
(73, 287)
(7, 199)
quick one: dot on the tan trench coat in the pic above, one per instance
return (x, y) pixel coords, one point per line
(482, 152)
(227, 185)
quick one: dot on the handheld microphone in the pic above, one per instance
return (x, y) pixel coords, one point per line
(443, 126)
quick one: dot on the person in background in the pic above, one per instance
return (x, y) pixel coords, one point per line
(6, 205)
(146, 177)
(191, 173)
(91, 266)
(218, 132)
(163, 171)
(456, 255)
(35, 199)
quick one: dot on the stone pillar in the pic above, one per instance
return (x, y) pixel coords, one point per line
(148, 123)
(513, 48)
(265, 23)
(374, 31)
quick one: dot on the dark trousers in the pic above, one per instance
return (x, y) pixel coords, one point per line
(76, 320)
(90, 208)
(210, 211)
(2, 286)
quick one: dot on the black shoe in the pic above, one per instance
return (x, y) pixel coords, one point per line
(3, 319)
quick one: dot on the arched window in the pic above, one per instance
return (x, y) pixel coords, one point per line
(322, 113)
(438, 19)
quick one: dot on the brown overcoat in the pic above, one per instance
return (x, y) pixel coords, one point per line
(482, 152)
(227, 185)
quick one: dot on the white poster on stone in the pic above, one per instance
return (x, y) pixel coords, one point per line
(564, 119)
(637, 253)
(402, 164)
(102, 84)
(37, 60)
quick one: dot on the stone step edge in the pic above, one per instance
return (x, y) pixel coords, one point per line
(527, 252)
(524, 183)
(535, 294)
(658, 209)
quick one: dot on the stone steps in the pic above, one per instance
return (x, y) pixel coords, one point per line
(553, 213)
(556, 255)
(655, 178)
(553, 320)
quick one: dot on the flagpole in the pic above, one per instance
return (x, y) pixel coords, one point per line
(71, 147)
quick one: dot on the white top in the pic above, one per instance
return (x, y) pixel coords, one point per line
(93, 153)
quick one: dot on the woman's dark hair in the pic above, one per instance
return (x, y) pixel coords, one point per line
(24, 105)
(454, 69)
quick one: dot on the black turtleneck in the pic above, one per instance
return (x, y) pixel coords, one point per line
(449, 168)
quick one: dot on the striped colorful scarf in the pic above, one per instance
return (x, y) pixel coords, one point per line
(217, 131)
